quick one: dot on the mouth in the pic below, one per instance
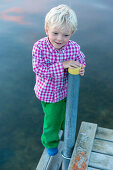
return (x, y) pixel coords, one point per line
(58, 43)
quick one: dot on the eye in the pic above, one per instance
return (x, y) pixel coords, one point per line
(55, 33)
(66, 35)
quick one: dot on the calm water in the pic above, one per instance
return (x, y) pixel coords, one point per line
(21, 116)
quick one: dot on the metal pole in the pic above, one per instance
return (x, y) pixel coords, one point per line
(71, 117)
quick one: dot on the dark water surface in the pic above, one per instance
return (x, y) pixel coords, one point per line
(21, 116)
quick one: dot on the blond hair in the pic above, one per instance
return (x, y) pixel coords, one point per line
(60, 16)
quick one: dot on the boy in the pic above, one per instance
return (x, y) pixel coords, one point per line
(52, 56)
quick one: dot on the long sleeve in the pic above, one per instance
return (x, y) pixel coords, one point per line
(79, 55)
(51, 77)
(43, 69)
(81, 58)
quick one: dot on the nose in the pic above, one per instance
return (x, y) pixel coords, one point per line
(59, 38)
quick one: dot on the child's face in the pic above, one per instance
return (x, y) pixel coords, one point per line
(58, 37)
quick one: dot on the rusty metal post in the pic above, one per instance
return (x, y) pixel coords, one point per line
(71, 115)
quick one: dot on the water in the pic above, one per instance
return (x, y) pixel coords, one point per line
(21, 115)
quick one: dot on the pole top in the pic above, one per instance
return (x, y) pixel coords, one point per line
(74, 71)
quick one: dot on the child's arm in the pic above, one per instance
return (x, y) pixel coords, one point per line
(77, 60)
(43, 69)
(81, 59)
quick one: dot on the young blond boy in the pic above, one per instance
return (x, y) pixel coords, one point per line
(52, 55)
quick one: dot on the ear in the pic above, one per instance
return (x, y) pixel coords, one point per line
(46, 30)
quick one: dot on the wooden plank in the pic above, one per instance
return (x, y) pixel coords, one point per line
(57, 159)
(44, 161)
(90, 168)
(102, 146)
(51, 162)
(101, 161)
(83, 146)
(105, 134)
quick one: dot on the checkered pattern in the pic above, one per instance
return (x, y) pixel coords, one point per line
(51, 77)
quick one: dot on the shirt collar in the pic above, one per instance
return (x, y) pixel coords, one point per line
(50, 46)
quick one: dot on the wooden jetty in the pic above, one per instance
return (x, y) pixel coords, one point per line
(93, 150)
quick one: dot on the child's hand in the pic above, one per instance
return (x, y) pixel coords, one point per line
(82, 70)
(74, 64)
(71, 64)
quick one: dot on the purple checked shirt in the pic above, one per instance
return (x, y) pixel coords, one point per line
(51, 77)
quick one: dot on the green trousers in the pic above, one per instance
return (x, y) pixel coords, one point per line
(54, 120)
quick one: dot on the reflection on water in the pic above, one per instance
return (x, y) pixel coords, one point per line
(21, 115)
